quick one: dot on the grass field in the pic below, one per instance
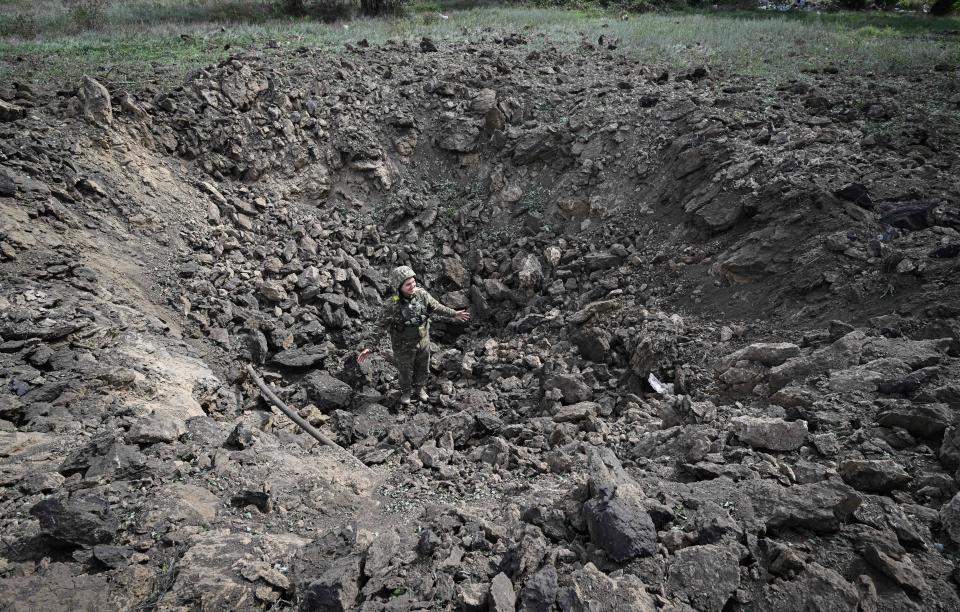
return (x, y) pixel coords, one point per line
(160, 39)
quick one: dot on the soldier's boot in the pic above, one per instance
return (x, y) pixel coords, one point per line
(424, 397)
(405, 398)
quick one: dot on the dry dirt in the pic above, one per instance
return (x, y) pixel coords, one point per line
(713, 363)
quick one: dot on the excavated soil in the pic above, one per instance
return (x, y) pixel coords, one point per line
(713, 363)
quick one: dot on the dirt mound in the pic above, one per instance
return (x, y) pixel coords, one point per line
(653, 409)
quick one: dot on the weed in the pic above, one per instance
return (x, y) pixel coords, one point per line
(86, 14)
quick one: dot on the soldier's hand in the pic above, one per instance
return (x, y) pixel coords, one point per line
(462, 316)
(363, 355)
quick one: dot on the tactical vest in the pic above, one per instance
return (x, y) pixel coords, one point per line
(411, 318)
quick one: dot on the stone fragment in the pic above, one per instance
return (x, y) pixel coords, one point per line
(502, 597)
(950, 518)
(591, 590)
(156, 427)
(97, 108)
(540, 591)
(576, 412)
(79, 521)
(11, 112)
(770, 433)
(704, 576)
(328, 392)
(874, 475)
(902, 570)
(821, 506)
(922, 420)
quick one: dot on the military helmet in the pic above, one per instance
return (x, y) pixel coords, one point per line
(399, 275)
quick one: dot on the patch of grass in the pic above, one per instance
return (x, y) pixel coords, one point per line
(141, 36)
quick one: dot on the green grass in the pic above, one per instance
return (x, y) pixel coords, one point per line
(164, 38)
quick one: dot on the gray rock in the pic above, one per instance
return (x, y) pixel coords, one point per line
(300, 357)
(950, 448)
(43, 482)
(273, 291)
(817, 588)
(11, 112)
(337, 589)
(874, 475)
(656, 346)
(528, 270)
(156, 427)
(328, 392)
(854, 380)
(104, 456)
(572, 387)
(704, 576)
(902, 570)
(826, 444)
(502, 597)
(113, 557)
(456, 272)
(540, 591)
(593, 343)
(767, 353)
(921, 420)
(770, 433)
(80, 521)
(576, 412)
(8, 188)
(821, 507)
(459, 136)
(620, 525)
(97, 108)
(950, 518)
(591, 590)
(842, 353)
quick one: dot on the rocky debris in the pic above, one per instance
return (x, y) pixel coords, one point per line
(618, 427)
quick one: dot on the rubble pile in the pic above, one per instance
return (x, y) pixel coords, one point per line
(713, 365)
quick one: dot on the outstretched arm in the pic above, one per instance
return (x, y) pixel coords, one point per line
(435, 306)
(383, 326)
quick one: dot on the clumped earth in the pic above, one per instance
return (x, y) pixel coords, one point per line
(713, 363)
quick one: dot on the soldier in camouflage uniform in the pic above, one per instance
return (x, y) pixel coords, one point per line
(406, 317)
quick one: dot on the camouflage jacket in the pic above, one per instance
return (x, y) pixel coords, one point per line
(408, 319)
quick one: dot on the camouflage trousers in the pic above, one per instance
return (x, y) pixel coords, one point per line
(413, 364)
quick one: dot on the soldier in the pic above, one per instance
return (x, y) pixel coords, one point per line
(406, 316)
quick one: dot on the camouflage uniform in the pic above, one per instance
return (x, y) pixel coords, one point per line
(408, 322)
